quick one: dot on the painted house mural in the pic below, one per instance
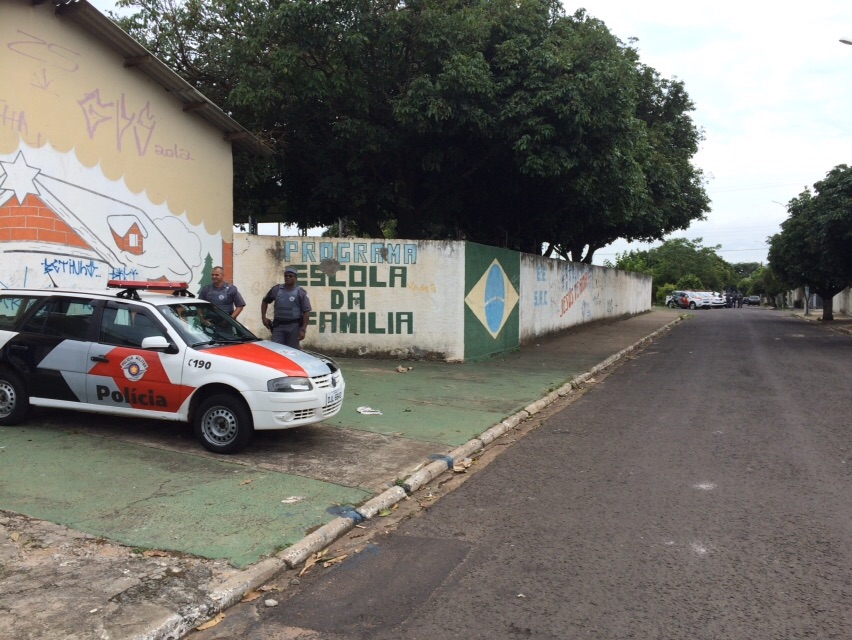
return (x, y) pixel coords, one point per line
(111, 166)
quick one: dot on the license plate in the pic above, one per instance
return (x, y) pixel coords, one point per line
(333, 396)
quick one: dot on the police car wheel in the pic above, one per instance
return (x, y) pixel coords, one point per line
(14, 400)
(223, 424)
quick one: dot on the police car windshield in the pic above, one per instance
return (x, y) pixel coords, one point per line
(200, 323)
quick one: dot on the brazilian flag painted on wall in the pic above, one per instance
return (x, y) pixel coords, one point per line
(492, 293)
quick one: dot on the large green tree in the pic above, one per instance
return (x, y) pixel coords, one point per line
(814, 248)
(677, 259)
(506, 122)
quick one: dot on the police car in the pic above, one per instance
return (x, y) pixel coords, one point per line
(151, 349)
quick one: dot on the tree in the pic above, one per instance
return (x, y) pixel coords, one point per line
(763, 281)
(668, 193)
(676, 259)
(679, 257)
(690, 282)
(745, 269)
(813, 248)
(505, 122)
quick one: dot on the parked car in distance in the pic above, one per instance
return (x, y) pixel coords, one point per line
(677, 300)
(698, 300)
(688, 300)
(716, 301)
(752, 301)
(134, 351)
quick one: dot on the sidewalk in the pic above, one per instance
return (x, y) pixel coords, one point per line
(841, 322)
(163, 536)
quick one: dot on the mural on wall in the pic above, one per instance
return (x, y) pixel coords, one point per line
(98, 169)
(54, 231)
(492, 299)
(492, 315)
(352, 273)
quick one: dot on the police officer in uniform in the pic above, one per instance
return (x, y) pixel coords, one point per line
(223, 294)
(290, 310)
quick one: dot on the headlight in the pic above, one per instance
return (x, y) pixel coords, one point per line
(289, 384)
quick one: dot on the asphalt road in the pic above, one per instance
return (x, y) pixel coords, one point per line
(699, 491)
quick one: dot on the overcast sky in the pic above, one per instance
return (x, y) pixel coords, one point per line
(772, 87)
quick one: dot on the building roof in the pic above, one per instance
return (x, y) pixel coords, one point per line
(138, 57)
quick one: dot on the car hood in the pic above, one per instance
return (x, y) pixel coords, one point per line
(289, 361)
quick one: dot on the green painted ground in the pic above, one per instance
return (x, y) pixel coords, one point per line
(450, 403)
(150, 498)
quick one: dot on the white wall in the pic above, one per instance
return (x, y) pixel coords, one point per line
(842, 302)
(399, 298)
(556, 294)
(406, 298)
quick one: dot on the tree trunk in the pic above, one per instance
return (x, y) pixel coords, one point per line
(828, 309)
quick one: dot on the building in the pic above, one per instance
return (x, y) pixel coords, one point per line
(111, 165)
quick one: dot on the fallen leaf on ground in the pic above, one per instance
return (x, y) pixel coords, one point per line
(334, 561)
(387, 512)
(211, 623)
(15, 536)
(249, 481)
(251, 595)
(155, 553)
(310, 562)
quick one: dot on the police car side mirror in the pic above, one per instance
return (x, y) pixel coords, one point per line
(157, 343)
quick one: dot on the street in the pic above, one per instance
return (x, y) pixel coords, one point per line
(700, 490)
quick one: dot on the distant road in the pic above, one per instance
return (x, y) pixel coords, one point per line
(701, 491)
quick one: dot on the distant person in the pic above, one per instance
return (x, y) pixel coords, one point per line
(739, 300)
(222, 294)
(290, 312)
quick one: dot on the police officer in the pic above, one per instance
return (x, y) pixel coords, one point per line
(291, 309)
(223, 294)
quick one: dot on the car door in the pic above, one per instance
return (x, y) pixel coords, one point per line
(50, 349)
(123, 377)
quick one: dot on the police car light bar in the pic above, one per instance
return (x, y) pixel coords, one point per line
(130, 288)
(148, 286)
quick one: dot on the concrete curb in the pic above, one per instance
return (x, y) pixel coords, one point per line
(818, 319)
(233, 590)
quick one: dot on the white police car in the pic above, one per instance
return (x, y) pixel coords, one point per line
(133, 351)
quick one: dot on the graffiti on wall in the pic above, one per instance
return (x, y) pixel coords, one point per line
(540, 295)
(348, 272)
(572, 295)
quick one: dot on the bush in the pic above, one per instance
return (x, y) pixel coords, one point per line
(663, 291)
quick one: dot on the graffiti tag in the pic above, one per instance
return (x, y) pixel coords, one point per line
(74, 267)
(115, 117)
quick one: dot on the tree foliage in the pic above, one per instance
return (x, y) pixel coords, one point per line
(763, 281)
(505, 122)
(814, 247)
(682, 262)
